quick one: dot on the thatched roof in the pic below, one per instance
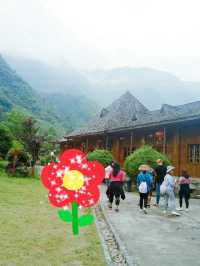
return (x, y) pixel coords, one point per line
(128, 113)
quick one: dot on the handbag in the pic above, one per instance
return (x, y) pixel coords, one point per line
(163, 187)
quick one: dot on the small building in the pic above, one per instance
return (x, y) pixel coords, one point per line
(127, 124)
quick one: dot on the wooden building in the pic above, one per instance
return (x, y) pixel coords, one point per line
(127, 125)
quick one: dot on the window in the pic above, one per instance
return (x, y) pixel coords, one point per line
(109, 144)
(194, 153)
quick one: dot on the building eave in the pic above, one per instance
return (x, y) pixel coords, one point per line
(141, 126)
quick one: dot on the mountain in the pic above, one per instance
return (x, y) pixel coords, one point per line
(75, 110)
(57, 93)
(152, 87)
(15, 92)
(48, 79)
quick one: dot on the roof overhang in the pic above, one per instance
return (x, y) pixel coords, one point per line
(141, 126)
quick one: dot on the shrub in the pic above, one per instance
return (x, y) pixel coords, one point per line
(18, 161)
(3, 164)
(5, 140)
(47, 159)
(143, 155)
(102, 156)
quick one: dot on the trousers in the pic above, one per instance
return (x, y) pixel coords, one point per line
(143, 200)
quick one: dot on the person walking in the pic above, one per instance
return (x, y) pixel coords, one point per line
(116, 191)
(169, 196)
(184, 181)
(151, 171)
(160, 172)
(108, 170)
(144, 183)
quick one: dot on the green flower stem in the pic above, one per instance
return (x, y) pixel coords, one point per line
(75, 218)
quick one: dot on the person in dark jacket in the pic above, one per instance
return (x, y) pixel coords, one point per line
(184, 182)
(116, 191)
(160, 172)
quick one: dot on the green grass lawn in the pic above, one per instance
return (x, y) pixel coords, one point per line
(32, 234)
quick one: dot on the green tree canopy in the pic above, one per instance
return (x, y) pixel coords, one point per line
(31, 138)
(102, 156)
(14, 122)
(143, 155)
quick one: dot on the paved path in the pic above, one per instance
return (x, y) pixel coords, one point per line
(155, 239)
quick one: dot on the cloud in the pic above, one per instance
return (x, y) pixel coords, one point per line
(94, 33)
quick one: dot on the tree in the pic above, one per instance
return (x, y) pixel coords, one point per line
(102, 156)
(5, 140)
(18, 159)
(14, 122)
(143, 155)
(31, 139)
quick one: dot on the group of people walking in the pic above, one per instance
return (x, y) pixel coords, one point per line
(161, 178)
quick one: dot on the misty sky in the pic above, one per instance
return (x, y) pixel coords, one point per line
(90, 34)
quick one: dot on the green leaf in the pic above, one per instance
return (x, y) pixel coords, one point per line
(86, 220)
(65, 215)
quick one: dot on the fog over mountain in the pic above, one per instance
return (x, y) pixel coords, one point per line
(152, 87)
(105, 34)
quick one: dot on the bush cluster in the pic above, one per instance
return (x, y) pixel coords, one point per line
(143, 155)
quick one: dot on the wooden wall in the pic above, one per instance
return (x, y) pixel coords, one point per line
(177, 139)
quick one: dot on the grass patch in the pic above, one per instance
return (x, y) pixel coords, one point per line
(32, 234)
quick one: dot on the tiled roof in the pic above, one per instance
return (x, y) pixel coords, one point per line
(128, 112)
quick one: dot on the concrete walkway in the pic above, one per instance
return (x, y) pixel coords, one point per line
(156, 239)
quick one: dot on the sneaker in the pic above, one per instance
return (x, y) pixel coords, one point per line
(116, 209)
(164, 212)
(110, 206)
(141, 210)
(187, 209)
(179, 209)
(145, 211)
(175, 213)
(156, 205)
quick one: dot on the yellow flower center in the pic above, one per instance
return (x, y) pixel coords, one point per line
(73, 180)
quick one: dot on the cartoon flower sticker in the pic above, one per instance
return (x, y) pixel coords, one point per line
(73, 180)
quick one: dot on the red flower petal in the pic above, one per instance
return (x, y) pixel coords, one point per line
(73, 158)
(88, 199)
(94, 174)
(49, 176)
(59, 197)
(52, 178)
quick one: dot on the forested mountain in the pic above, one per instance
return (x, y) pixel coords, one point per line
(72, 94)
(63, 88)
(15, 92)
(48, 79)
(63, 111)
(76, 109)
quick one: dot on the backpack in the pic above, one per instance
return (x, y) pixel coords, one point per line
(143, 187)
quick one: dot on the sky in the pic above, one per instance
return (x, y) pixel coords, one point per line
(92, 34)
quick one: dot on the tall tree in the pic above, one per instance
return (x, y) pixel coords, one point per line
(31, 138)
(14, 122)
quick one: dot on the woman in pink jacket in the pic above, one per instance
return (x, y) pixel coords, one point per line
(116, 178)
(184, 182)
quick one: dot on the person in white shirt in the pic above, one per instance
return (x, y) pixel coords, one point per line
(170, 200)
(108, 170)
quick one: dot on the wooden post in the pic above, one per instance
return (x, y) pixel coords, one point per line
(87, 144)
(118, 149)
(131, 142)
(164, 141)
